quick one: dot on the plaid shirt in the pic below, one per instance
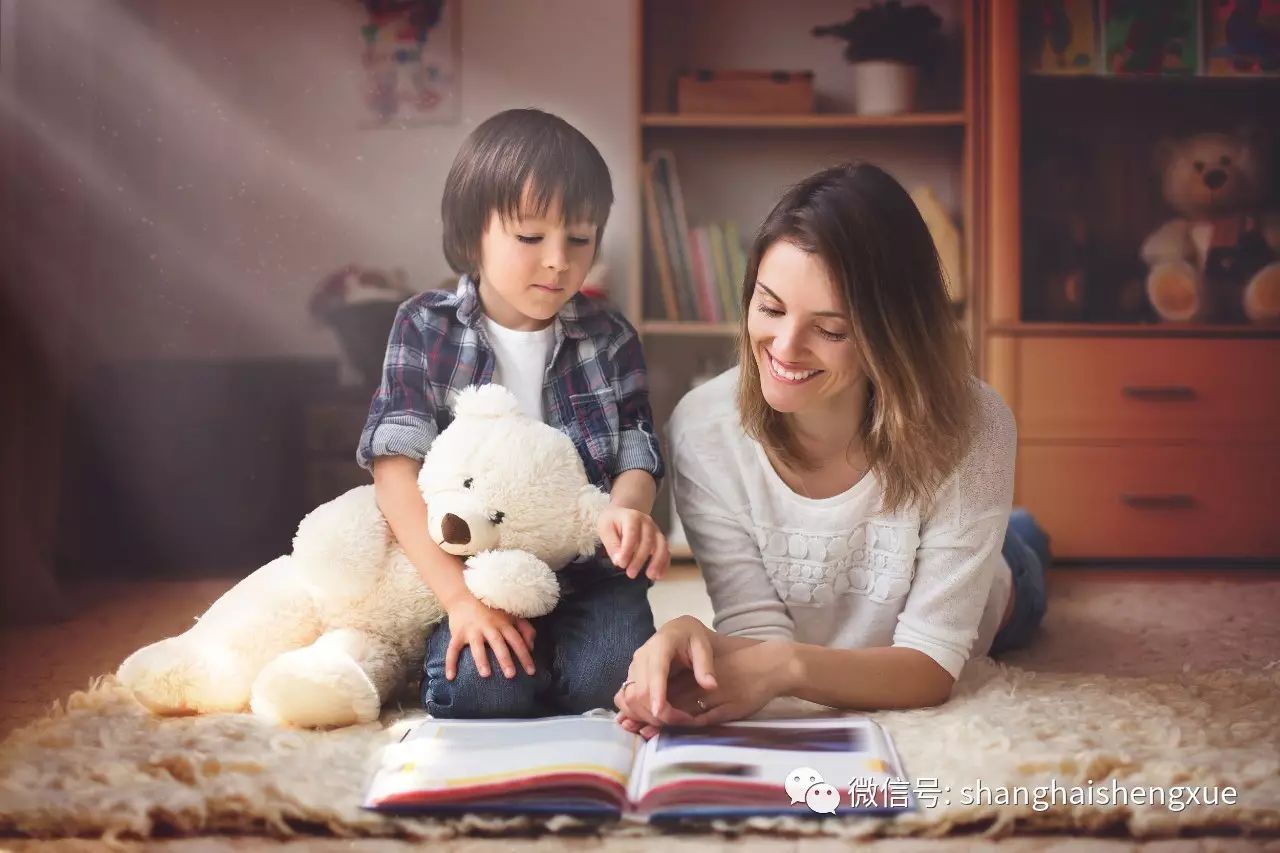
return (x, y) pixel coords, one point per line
(595, 388)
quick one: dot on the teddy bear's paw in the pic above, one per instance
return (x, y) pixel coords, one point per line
(179, 676)
(1262, 296)
(514, 581)
(1173, 292)
(314, 688)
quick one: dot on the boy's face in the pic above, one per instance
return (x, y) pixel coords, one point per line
(531, 265)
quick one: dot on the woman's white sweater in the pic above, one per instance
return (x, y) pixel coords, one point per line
(838, 571)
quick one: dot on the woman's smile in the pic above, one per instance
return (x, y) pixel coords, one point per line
(786, 373)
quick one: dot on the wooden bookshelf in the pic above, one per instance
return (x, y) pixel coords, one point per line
(734, 167)
(801, 121)
(688, 327)
(1137, 330)
(1137, 439)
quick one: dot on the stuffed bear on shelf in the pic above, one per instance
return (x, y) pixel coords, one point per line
(1219, 262)
(323, 636)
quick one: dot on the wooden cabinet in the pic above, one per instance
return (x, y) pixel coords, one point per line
(1134, 389)
(1167, 501)
(1139, 447)
(1137, 440)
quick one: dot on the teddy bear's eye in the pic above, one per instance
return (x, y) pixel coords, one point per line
(497, 517)
(1199, 165)
(466, 484)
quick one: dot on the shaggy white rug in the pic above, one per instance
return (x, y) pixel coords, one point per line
(1130, 686)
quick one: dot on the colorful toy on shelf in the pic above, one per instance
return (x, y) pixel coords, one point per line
(1242, 37)
(1219, 261)
(1060, 36)
(1145, 37)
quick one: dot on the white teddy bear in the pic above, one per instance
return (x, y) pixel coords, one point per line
(323, 636)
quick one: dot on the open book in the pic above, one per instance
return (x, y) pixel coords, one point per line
(591, 766)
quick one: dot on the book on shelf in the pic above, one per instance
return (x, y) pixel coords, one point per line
(698, 269)
(589, 765)
(736, 267)
(674, 235)
(724, 278)
(658, 245)
(705, 280)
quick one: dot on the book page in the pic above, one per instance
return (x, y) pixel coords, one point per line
(460, 760)
(749, 763)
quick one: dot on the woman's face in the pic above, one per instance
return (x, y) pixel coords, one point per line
(800, 332)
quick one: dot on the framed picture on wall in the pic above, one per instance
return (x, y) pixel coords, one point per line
(411, 61)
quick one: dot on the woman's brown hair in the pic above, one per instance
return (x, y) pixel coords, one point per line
(869, 234)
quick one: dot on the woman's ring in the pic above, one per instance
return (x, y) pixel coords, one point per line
(702, 705)
(626, 684)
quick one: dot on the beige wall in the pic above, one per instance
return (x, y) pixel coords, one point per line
(215, 153)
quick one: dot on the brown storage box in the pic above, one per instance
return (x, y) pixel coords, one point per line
(745, 92)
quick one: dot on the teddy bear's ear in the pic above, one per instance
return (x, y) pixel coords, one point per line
(485, 401)
(590, 503)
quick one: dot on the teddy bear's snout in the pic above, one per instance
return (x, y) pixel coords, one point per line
(455, 530)
(1215, 178)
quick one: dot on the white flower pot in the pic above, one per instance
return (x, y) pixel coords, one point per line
(884, 88)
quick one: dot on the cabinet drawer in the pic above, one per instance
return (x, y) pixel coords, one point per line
(1114, 388)
(1166, 502)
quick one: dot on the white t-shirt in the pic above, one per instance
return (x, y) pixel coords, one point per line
(521, 362)
(837, 571)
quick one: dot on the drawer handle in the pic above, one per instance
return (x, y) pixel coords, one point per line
(1160, 393)
(1159, 501)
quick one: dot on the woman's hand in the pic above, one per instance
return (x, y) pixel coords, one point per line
(747, 680)
(472, 623)
(683, 644)
(632, 538)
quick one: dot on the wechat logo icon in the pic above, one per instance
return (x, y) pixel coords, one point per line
(805, 785)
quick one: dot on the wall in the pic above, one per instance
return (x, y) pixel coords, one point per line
(225, 171)
(178, 174)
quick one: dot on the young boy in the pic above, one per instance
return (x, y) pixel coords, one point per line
(524, 209)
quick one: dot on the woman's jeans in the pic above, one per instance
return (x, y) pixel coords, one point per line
(581, 652)
(1026, 550)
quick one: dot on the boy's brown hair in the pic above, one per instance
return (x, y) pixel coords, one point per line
(518, 162)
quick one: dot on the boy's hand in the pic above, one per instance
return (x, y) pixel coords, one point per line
(472, 623)
(631, 538)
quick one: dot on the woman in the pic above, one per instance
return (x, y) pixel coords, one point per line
(847, 488)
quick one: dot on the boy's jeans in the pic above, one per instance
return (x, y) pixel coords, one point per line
(581, 652)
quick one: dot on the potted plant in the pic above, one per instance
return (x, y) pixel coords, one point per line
(887, 44)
